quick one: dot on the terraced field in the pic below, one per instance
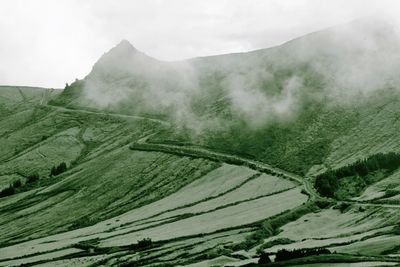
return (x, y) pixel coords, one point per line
(215, 201)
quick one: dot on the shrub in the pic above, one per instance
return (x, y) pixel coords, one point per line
(323, 204)
(8, 191)
(145, 243)
(17, 183)
(32, 178)
(56, 170)
(264, 258)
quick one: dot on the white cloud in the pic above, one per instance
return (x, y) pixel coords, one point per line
(49, 43)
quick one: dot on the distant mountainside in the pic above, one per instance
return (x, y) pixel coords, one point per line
(294, 101)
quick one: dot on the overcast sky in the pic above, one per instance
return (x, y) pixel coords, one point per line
(48, 43)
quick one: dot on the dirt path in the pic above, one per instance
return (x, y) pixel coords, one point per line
(115, 115)
(253, 164)
(227, 158)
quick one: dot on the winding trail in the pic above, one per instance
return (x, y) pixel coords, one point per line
(201, 152)
(115, 115)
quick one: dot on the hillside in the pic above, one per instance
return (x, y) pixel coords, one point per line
(315, 89)
(208, 161)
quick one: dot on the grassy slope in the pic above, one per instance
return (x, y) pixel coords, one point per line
(102, 167)
(104, 172)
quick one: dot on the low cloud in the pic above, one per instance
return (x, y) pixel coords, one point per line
(260, 87)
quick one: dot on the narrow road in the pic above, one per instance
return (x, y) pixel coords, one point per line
(201, 152)
(115, 115)
(227, 158)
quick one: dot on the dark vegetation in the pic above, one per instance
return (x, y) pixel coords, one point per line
(8, 191)
(17, 186)
(56, 170)
(357, 175)
(32, 178)
(143, 244)
(325, 260)
(284, 255)
(264, 258)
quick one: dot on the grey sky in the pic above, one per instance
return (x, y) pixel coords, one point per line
(48, 43)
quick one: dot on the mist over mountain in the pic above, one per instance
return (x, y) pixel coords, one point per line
(257, 102)
(333, 65)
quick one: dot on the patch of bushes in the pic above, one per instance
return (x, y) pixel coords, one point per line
(284, 255)
(264, 258)
(8, 191)
(56, 170)
(145, 243)
(17, 183)
(362, 173)
(32, 178)
(11, 189)
(18, 186)
(323, 204)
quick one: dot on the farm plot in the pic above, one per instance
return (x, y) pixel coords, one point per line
(353, 229)
(262, 185)
(207, 182)
(236, 215)
(144, 177)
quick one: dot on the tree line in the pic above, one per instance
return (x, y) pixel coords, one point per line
(327, 182)
(284, 255)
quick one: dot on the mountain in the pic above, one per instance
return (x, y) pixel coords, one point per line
(256, 103)
(209, 161)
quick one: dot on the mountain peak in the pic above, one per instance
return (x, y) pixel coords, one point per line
(125, 44)
(124, 47)
(122, 52)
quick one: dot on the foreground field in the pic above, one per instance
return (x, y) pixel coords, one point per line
(218, 200)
